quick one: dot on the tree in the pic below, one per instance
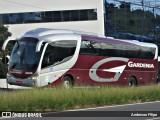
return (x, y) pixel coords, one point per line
(132, 22)
(4, 34)
(125, 5)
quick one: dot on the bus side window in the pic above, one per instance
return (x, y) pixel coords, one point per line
(147, 53)
(116, 50)
(107, 49)
(90, 47)
(59, 52)
(132, 51)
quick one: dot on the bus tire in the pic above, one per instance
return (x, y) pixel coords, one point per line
(67, 82)
(132, 81)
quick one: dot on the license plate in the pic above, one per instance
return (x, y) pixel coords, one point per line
(18, 82)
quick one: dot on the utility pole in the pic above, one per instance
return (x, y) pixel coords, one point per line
(105, 19)
(143, 17)
(154, 30)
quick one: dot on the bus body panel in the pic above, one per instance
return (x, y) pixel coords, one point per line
(83, 66)
(80, 72)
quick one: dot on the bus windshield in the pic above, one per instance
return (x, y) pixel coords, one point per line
(23, 56)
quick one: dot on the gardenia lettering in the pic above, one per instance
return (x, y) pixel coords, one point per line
(140, 65)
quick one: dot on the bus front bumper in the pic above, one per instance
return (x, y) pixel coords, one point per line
(22, 82)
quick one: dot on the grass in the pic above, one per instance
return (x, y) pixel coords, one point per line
(60, 99)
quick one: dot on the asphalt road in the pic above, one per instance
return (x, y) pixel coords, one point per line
(145, 111)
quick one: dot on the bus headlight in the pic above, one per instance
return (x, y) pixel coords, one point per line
(34, 78)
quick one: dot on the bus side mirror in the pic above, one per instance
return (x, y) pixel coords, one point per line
(5, 60)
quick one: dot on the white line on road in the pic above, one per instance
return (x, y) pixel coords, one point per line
(158, 118)
(114, 106)
(106, 107)
(5, 117)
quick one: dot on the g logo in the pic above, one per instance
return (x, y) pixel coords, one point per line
(118, 70)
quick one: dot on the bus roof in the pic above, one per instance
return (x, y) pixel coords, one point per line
(46, 32)
(41, 32)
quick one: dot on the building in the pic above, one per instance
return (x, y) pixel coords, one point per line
(23, 15)
(133, 19)
(124, 19)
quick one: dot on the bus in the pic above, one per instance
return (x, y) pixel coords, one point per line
(55, 57)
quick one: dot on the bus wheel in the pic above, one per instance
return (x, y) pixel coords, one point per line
(67, 82)
(132, 82)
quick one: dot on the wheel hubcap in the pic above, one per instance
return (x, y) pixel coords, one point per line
(66, 84)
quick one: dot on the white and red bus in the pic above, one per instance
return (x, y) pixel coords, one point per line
(43, 57)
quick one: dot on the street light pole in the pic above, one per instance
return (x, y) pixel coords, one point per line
(143, 17)
(154, 25)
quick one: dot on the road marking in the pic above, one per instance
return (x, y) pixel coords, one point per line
(115, 106)
(158, 118)
(5, 117)
(104, 107)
